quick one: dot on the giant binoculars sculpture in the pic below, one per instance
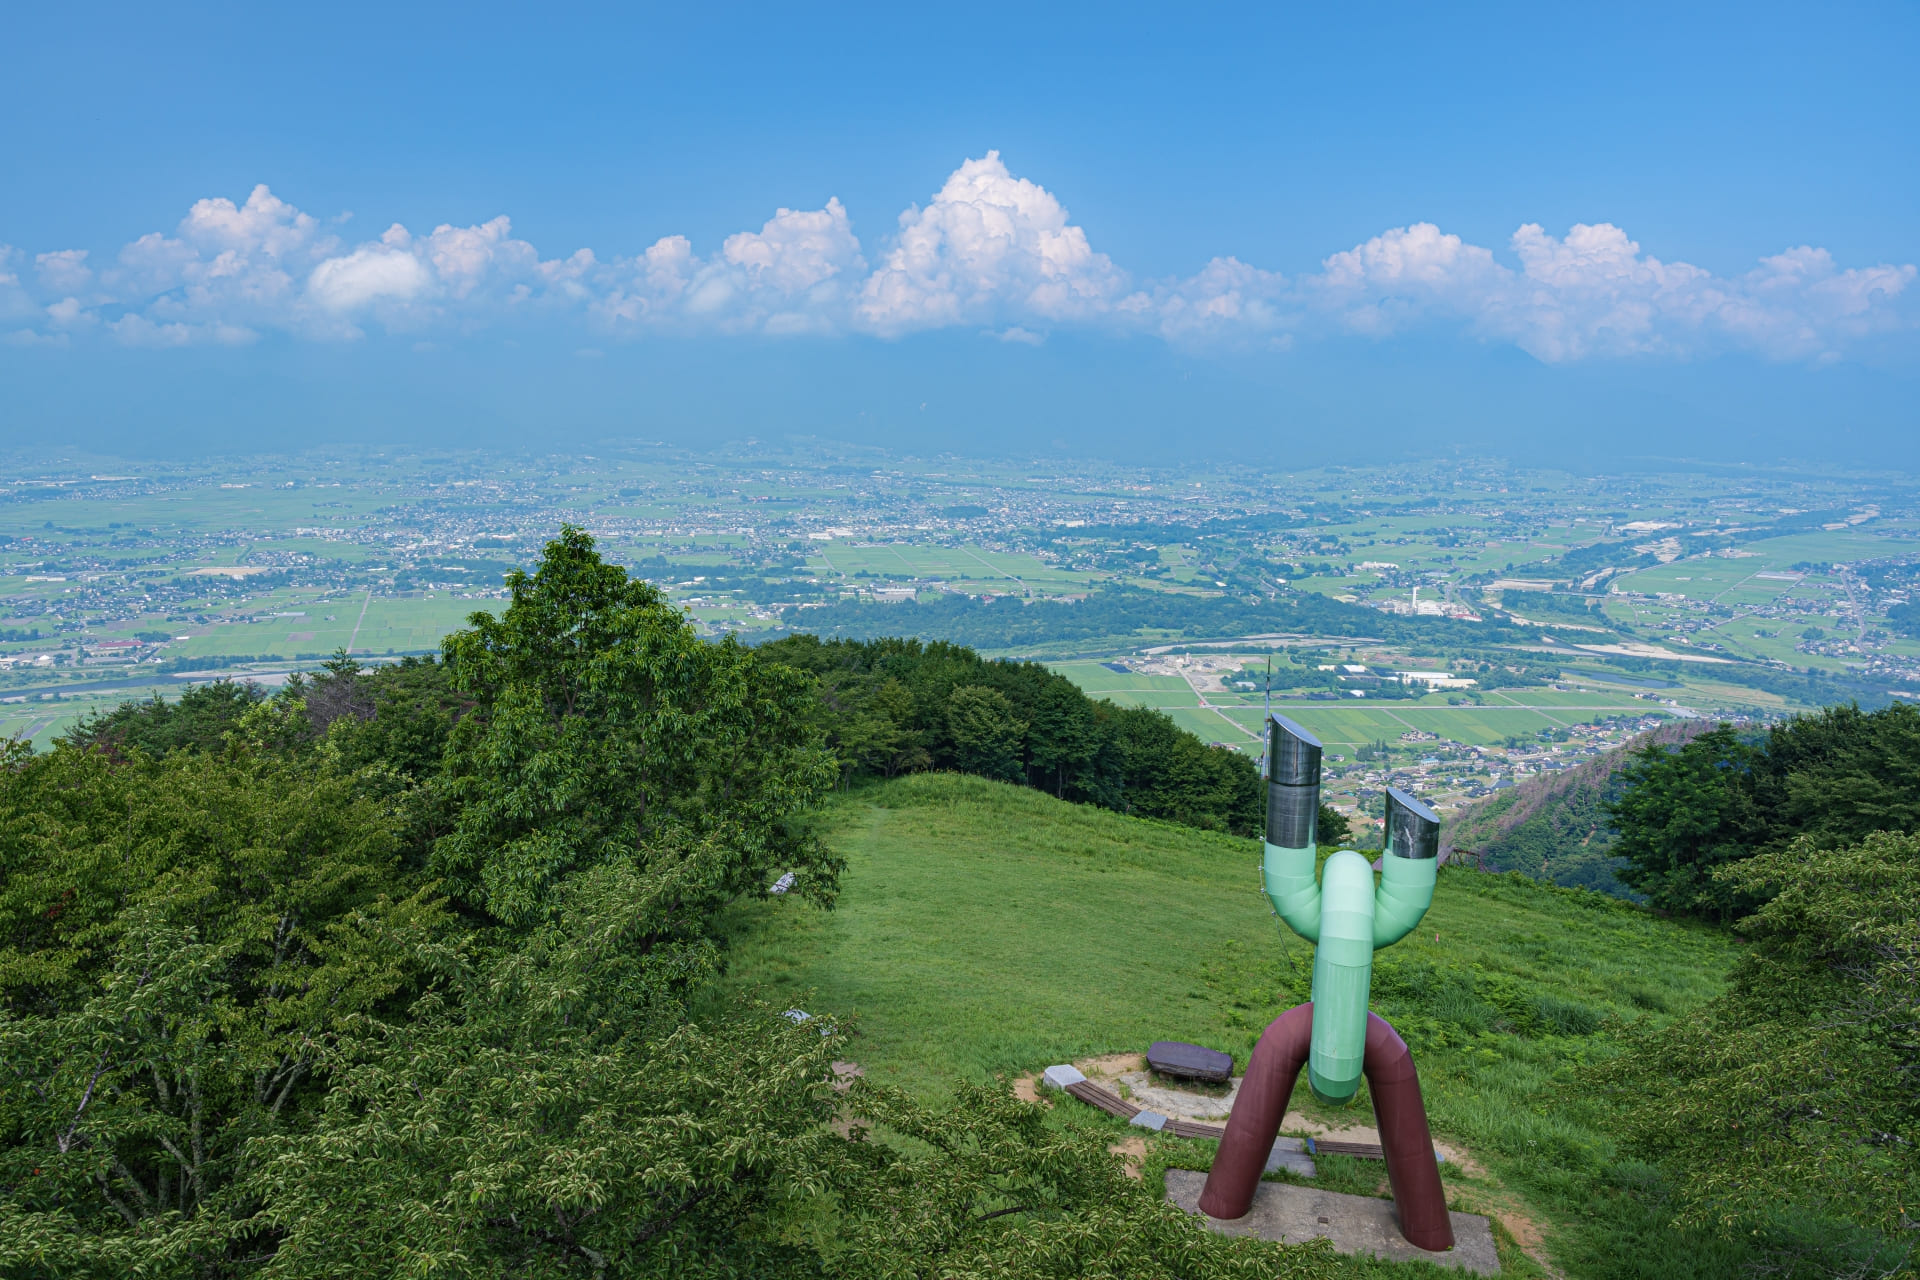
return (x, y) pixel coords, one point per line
(1347, 917)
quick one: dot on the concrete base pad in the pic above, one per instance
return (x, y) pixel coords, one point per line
(1355, 1224)
(1291, 1154)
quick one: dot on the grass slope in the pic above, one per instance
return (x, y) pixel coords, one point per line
(990, 929)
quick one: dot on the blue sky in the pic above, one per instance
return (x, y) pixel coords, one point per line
(1557, 232)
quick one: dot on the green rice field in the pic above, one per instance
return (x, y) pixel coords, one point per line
(973, 565)
(1234, 719)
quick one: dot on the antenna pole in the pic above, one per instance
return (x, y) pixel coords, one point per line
(1269, 715)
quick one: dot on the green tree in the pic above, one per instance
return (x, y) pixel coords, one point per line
(885, 707)
(1841, 773)
(179, 939)
(1795, 1089)
(553, 1110)
(398, 716)
(987, 736)
(1683, 813)
(1834, 777)
(868, 722)
(1168, 773)
(198, 720)
(1062, 736)
(603, 729)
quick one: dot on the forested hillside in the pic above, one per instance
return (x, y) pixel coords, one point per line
(1558, 828)
(1797, 1086)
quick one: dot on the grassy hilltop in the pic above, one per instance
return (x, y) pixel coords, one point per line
(987, 929)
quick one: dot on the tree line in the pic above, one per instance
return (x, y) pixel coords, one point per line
(881, 708)
(1007, 622)
(892, 706)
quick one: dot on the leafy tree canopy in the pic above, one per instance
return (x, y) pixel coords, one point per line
(198, 720)
(1795, 1089)
(1831, 777)
(897, 706)
(412, 971)
(603, 729)
(179, 940)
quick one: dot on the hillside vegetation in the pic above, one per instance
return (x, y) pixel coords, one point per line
(1558, 827)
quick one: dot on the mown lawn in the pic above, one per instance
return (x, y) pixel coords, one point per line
(987, 929)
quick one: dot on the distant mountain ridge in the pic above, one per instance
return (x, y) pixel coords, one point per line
(1555, 827)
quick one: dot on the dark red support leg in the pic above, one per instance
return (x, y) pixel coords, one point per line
(1255, 1120)
(1402, 1116)
(1273, 1071)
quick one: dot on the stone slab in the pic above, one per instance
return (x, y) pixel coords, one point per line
(1149, 1120)
(1355, 1224)
(1059, 1077)
(1183, 1061)
(1291, 1154)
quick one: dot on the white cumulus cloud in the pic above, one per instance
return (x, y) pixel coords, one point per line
(1226, 298)
(368, 274)
(64, 270)
(1594, 292)
(988, 244)
(15, 302)
(990, 250)
(798, 274)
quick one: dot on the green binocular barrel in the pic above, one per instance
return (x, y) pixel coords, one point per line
(1343, 912)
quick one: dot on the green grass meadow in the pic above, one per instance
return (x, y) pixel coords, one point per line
(990, 930)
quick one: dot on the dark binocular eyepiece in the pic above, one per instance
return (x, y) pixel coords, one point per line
(1293, 784)
(1413, 830)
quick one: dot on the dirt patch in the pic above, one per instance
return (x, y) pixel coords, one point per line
(1526, 1233)
(1152, 1091)
(1132, 1153)
(1027, 1088)
(1307, 1127)
(1112, 1066)
(1514, 1223)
